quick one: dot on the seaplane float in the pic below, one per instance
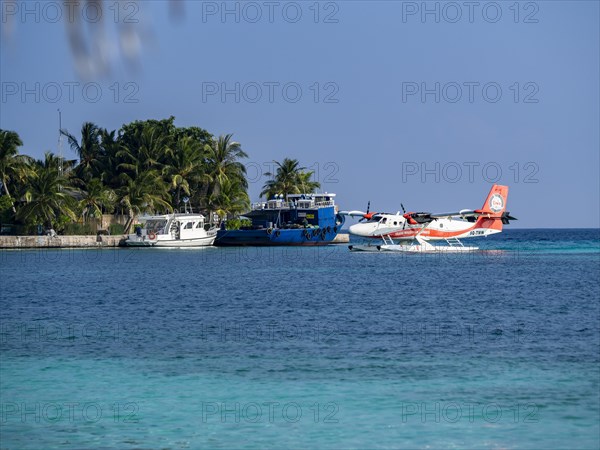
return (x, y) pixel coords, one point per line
(412, 232)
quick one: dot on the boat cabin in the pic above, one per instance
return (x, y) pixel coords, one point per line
(295, 211)
(179, 226)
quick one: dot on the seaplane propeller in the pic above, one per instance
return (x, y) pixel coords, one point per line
(414, 218)
(367, 215)
(363, 215)
(403, 212)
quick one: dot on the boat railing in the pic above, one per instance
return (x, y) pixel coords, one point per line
(272, 205)
(290, 205)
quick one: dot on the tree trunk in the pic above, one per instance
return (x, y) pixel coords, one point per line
(12, 204)
(130, 221)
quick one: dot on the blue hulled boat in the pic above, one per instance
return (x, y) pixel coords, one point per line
(299, 219)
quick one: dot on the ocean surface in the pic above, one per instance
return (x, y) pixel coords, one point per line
(303, 347)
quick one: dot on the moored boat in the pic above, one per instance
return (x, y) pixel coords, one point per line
(173, 230)
(299, 219)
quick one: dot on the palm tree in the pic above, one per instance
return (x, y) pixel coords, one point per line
(305, 184)
(109, 164)
(222, 161)
(52, 162)
(88, 150)
(184, 167)
(48, 194)
(145, 150)
(232, 199)
(96, 198)
(222, 171)
(145, 166)
(145, 192)
(13, 167)
(289, 178)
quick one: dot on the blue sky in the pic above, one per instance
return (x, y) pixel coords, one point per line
(385, 103)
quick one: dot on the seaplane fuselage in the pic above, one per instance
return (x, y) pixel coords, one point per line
(396, 226)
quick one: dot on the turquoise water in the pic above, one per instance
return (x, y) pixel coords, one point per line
(304, 347)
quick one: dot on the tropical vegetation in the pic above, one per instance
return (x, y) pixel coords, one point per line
(289, 178)
(149, 166)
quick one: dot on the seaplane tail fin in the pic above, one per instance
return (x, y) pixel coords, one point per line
(495, 203)
(493, 209)
(489, 223)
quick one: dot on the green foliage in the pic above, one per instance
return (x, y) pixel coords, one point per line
(146, 166)
(225, 176)
(61, 222)
(89, 150)
(97, 199)
(14, 168)
(116, 229)
(49, 194)
(78, 229)
(6, 214)
(236, 224)
(6, 203)
(289, 178)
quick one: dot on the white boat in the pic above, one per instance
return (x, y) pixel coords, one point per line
(173, 230)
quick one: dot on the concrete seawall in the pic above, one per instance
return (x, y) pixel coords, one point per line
(60, 241)
(85, 241)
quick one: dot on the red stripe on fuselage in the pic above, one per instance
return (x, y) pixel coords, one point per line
(481, 223)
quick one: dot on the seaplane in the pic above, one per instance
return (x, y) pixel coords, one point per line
(415, 230)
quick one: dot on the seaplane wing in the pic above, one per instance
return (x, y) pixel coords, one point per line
(353, 213)
(461, 213)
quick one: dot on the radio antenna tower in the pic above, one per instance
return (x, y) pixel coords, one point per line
(60, 140)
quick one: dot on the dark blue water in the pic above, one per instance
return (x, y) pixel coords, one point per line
(304, 347)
